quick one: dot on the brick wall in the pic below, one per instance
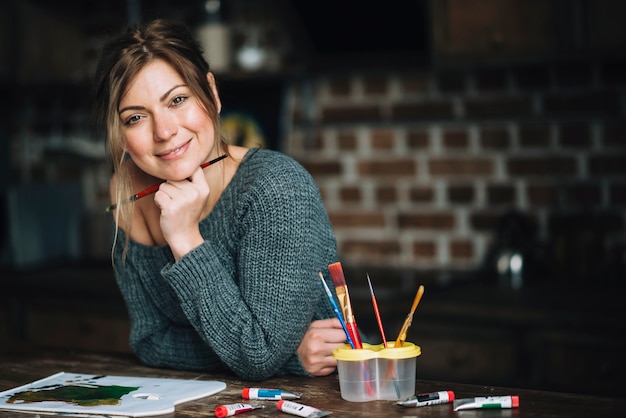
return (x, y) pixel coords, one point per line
(417, 169)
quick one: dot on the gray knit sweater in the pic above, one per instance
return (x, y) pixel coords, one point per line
(244, 298)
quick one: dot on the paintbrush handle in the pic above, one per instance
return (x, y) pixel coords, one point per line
(346, 330)
(146, 192)
(403, 331)
(418, 297)
(377, 312)
(354, 334)
(409, 318)
(337, 312)
(213, 161)
(379, 321)
(346, 306)
(155, 187)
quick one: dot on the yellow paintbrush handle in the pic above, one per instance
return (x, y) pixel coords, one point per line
(402, 334)
(418, 297)
(409, 318)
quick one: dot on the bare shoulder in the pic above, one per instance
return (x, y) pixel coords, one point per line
(237, 155)
(237, 152)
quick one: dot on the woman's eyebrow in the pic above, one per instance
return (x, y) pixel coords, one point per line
(162, 98)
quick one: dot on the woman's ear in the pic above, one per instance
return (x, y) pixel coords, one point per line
(211, 78)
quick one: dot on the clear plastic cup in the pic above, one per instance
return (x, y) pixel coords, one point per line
(377, 373)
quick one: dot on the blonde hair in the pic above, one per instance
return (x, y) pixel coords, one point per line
(122, 59)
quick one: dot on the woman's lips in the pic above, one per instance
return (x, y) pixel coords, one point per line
(175, 153)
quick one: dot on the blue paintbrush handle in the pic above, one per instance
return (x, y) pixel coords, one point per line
(337, 312)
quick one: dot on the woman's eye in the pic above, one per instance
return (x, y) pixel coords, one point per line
(132, 120)
(178, 100)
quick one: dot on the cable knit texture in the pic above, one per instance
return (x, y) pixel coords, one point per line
(244, 298)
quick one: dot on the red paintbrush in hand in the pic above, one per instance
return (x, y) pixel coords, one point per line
(154, 188)
(341, 288)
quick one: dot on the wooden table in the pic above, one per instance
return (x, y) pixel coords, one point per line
(21, 366)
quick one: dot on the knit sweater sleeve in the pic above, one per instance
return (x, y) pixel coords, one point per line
(154, 312)
(246, 295)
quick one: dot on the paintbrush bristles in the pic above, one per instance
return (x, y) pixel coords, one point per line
(369, 282)
(336, 272)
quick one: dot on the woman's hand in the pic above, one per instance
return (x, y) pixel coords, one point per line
(181, 204)
(317, 345)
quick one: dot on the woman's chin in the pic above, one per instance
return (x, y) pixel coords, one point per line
(179, 177)
(183, 173)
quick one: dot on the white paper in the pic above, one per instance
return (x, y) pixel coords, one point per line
(133, 396)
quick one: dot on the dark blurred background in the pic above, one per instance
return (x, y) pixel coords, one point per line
(474, 146)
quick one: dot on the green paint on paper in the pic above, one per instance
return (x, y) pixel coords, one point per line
(91, 395)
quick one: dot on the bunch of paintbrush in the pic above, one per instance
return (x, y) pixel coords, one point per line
(403, 331)
(337, 312)
(341, 288)
(347, 319)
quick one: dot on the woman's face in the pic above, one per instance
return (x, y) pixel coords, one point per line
(166, 131)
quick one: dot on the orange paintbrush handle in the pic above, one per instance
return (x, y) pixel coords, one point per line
(379, 321)
(377, 312)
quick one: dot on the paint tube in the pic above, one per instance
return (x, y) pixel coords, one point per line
(300, 410)
(487, 402)
(235, 408)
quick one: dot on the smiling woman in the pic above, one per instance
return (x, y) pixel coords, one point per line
(166, 131)
(218, 266)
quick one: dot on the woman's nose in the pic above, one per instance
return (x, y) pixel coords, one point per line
(165, 127)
